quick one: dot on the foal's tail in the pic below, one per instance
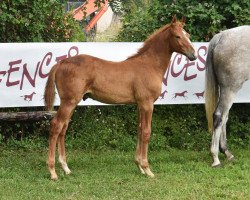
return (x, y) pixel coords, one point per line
(49, 92)
(211, 84)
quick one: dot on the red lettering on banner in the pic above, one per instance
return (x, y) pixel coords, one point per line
(48, 56)
(200, 58)
(12, 69)
(27, 75)
(59, 58)
(176, 63)
(75, 48)
(17, 66)
(2, 73)
(186, 66)
(179, 58)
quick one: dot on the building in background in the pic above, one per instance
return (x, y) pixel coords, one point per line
(92, 19)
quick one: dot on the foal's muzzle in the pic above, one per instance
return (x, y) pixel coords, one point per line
(191, 56)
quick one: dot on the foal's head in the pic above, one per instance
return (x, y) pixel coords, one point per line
(179, 39)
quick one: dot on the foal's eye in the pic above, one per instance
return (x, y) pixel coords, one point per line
(177, 36)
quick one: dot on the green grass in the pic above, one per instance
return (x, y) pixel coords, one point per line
(113, 175)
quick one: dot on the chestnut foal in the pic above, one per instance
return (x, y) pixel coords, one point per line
(136, 80)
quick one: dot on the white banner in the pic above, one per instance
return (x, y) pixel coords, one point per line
(24, 69)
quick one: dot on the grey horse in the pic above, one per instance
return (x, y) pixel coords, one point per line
(227, 68)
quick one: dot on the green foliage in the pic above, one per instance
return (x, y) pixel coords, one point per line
(116, 6)
(37, 21)
(239, 125)
(132, 5)
(95, 127)
(115, 127)
(204, 19)
(25, 134)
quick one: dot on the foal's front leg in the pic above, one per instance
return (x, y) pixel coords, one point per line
(138, 155)
(144, 132)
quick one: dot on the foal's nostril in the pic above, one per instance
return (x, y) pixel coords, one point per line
(191, 56)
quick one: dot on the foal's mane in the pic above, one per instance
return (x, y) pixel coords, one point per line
(149, 40)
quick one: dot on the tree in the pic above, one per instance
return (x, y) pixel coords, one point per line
(37, 21)
(204, 18)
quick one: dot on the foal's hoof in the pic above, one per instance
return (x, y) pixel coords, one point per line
(216, 165)
(67, 172)
(148, 172)
(54, 177)
(141, 169)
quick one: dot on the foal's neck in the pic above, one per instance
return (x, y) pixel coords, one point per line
(156, 51)
(160, 52)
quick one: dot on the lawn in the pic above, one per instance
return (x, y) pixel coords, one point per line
(113, 175)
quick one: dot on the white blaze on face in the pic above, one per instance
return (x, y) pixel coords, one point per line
(185, 33)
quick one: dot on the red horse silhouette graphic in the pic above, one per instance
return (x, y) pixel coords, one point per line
(180, 94)
(28, 97)
(199, 94)
(163, 94)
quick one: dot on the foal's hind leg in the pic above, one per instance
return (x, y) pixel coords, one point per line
(61, 149)
(58, 127)
(220, 119)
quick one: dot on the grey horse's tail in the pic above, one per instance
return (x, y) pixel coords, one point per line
(211, 84)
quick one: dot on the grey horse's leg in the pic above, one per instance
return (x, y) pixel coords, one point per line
(223, 142)
(220, 119)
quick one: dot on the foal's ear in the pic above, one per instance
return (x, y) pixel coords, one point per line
(174, 19)
(183, 20)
